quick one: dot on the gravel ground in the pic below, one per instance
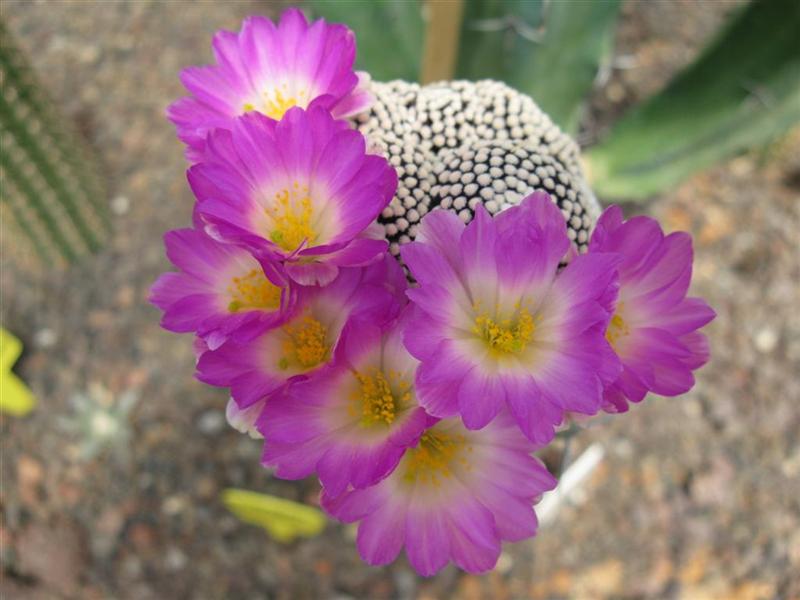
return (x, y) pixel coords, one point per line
(697, 497)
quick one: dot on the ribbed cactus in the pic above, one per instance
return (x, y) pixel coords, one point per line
(50, 186)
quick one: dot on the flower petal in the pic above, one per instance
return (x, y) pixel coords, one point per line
(481, 397)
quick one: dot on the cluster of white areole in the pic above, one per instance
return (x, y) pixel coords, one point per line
(456, 144)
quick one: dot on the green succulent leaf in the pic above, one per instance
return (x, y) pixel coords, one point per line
(389, 34)
(548, 50)
(283, 519)
(741, 92)
(15, 397)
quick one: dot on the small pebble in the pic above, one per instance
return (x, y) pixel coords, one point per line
(766, 339)
(211, 422)
(120, 205)
(45, 338)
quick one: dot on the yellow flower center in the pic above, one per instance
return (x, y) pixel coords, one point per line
(379, 398)
(305, 345)
(435, 457)
(617, 328)
(276, 104)
(507, 336)
(291, 214)
(253, 291)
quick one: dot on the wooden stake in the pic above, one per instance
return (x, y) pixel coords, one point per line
(441, 39)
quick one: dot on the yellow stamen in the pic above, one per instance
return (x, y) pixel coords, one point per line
(379, 398)
(617, 328)
(507, 336)
(435, 458)
(253, 291)
(277, 106)
(291, 214)
(279, 100)
(306, 344)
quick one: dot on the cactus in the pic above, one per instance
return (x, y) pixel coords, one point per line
(51, 189)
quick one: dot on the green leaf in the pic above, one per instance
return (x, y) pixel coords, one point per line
(283, 519)
(389, 34)
(741, 92)
(548, 50)
(15, 398)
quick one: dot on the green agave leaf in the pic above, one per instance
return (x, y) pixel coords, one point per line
(741, 92)
(389, 34)
(549, 50)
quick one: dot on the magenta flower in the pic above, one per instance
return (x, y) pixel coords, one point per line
(654, 326)
(351, 423)
(305, 341)
(454, 497)
(269, 69)
(222, 291)
(496, 326)
(301, 191)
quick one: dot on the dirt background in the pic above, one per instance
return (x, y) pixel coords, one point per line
(697, 497)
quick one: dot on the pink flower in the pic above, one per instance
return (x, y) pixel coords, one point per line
(269, 69)
(306, 339)
(654, 326)
(454, 497)
(222, 291)
(495, 325)
(352, 422)
(301, 191)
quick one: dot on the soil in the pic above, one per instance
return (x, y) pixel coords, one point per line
(696, 497)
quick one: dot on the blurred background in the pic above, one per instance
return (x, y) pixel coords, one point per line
(111, 483)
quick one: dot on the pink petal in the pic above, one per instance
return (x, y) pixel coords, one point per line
(427, 544)
(536, 414)
(481, 397)
(381, 535)
(474, 544)
(438, 399)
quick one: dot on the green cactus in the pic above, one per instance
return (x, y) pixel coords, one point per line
(50, 188)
